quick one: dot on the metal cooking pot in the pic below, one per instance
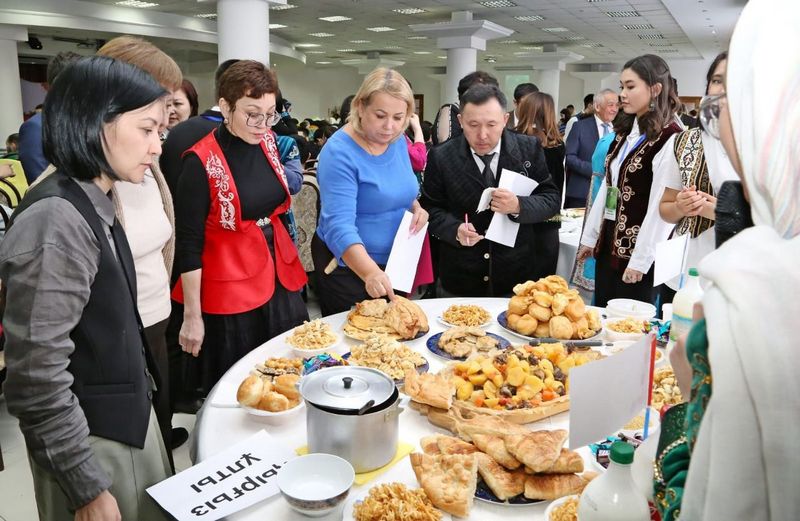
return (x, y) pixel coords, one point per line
(352, 412)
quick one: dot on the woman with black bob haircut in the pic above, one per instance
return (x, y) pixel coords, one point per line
(79, 368)
(621, 234)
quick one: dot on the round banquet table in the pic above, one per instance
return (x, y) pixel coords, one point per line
(219, 425)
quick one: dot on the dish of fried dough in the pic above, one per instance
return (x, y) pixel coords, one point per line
(463, 341)
(561, 470)
(399, 319)
(431, 389)
(449, 480)
(548, 308)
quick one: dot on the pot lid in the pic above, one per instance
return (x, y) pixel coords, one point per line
(347, 388)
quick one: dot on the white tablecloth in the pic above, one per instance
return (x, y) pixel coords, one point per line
(218, 428)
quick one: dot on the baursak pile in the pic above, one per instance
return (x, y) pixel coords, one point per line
(548, 308)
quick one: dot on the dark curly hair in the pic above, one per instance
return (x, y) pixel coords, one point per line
(652, 70)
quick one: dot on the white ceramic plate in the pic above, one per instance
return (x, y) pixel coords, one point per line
(445, 323)
(349, 505)
(558, 502)
(275, 418)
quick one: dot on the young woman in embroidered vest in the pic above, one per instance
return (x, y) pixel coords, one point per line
(79, 370)
(692, 179)
(240, 271)
(366, 184)
(537, 117)
(622, 234)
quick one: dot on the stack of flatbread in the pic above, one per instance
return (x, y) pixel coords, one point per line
(509, 458)
(399, 319)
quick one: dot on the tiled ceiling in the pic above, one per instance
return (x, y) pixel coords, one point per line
(595, 29)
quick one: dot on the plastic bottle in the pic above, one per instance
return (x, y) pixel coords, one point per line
(683, 306)
(613, 496)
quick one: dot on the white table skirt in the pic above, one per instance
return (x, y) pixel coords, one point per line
(218, 428)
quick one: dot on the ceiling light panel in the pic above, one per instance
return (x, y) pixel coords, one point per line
(494, 4)
(417, 38)
(335, 18)
(555, 29)
(359, 41)
(508, 42)
(574, 38)
(207, 16)
(422, 52)
(136, 3)
(638, 27)
(303, 45)
(380, 29)
(321, 35)
(651, 36)
(277, 26)
(345, 50)
(315, 52)
(529, 18)
(324, 63)
(661, 44)
(282, 7)
(622, 14)
(410, 10)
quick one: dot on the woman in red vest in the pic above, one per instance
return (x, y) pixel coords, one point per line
(240, 272)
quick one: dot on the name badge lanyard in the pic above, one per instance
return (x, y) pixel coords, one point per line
(612, 196)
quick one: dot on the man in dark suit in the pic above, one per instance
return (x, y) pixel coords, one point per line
(458, 172)
(520, 91)
(581, 143)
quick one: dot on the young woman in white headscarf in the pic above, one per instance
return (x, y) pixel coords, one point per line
(736, 457)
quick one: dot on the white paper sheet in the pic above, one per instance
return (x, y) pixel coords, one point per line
(606, 394)
(502, 229)
(231, 481)
(670, 256)
(486, 199)
(401, 268)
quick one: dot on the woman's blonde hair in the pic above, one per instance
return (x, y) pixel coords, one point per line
(380, 80)
(147, 57)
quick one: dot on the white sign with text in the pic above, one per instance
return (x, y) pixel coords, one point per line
(231, 481)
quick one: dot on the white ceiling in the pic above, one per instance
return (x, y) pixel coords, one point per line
(689, 29)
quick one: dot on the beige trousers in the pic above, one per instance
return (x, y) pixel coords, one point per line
(131, 470)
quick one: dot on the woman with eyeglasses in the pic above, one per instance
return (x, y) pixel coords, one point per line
(240, 271)
(622, 234)
(737, 368)
(695, 176)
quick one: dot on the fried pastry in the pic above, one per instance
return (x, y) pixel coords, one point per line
(526, 325)
(449, 481)
(575, 309)
(249, 392)
(543, 298)
(463, 341)
(580, 329)
(539, 312)
(512, 320)
(525, 288)
(538, 450)
(542, 330)
(406, 317)
(495, 447)
(430, 444)
(273, 402)
(594, 320)
(568, 462)
(561, 327)
(518, 304)
(556, 284)
(554, 486)
(489, 425)
(431, 389)
(375, 308)
(560, 302)
(451, 445)
(504, 484)
(286, 384)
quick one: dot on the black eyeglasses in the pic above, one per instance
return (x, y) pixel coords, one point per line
(256, 119)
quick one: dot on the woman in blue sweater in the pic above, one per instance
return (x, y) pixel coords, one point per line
(366, 185)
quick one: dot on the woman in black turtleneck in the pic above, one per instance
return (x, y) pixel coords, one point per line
(240, 272)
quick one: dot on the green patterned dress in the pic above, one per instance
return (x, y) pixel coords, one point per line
(679, 428)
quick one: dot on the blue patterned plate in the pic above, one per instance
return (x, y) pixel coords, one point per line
(503, 321)
(484, 493)
(433, 346)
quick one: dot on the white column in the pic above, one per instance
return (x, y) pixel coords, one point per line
(10, 88)
(550, 82)
(243, 30)
(462, 38)
(460, 62)
(593, 82)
